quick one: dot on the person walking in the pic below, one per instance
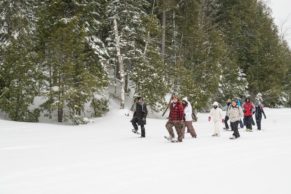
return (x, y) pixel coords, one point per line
(175, 119)
(235, 114)
(238, 102)
(139, 116)
(217, 117)
(226, 118)
(248, 109)
(259, 111)
(188, 118)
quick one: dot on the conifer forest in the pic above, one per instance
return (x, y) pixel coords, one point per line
(65, 59)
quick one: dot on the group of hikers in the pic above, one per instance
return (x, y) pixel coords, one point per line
(181, 117)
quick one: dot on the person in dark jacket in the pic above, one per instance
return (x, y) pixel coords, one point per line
(176, 117)
(139, 115)
(259, 110)
(226, 118)
(238, 101)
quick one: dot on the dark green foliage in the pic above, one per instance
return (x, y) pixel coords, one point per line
(65, 53)
(75, 71)
(100, 106)
(19, 77)
(149, 80)
(253, 39)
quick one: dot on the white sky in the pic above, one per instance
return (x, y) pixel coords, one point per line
(281, 11)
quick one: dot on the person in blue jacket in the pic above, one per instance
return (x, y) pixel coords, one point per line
(238, 102)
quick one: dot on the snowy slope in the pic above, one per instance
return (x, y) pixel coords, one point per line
(104, 157)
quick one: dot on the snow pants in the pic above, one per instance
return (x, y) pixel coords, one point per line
(258, 121)
(248, 121)
(190, 129)
(225, 122)
(234, 128)
(179, 126)
(135, 122)
(241, 124)
(216, 127)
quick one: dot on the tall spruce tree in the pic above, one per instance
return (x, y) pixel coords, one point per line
(18, 61)
(269, 68)
(20, 76)
(196, 73)
(73, 70)
(148, 72)
(255, 46)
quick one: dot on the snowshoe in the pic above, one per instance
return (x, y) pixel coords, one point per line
(135, 131)
(170, 139)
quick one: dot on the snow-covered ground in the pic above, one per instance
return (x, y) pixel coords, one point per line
(105, 157)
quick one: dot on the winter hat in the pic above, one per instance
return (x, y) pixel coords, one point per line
(247, 99)
(139, 98)
(215, 103)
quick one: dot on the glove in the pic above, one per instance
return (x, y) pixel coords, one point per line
(223, 120)
(209, 119)
(265, 117)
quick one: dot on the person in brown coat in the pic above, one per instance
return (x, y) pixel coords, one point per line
(175, 120)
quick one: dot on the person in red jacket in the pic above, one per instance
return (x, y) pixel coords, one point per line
(175, 119)
(248, 109)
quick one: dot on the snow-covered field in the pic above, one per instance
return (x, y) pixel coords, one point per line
(105, 157)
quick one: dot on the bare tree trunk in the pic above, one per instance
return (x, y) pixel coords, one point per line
(120, 64)
(164, 34)
(174, 37)
(148, 34)
(60, 106)
(176, 80)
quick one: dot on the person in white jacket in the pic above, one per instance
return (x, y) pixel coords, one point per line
(188, 117)
(235, 114)
(217, 118)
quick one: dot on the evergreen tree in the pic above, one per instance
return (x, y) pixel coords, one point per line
(74, 71)
(198, 69)
(19, 72)
(268, 71)
(149, 73)
(253, 39)
(20, 78)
